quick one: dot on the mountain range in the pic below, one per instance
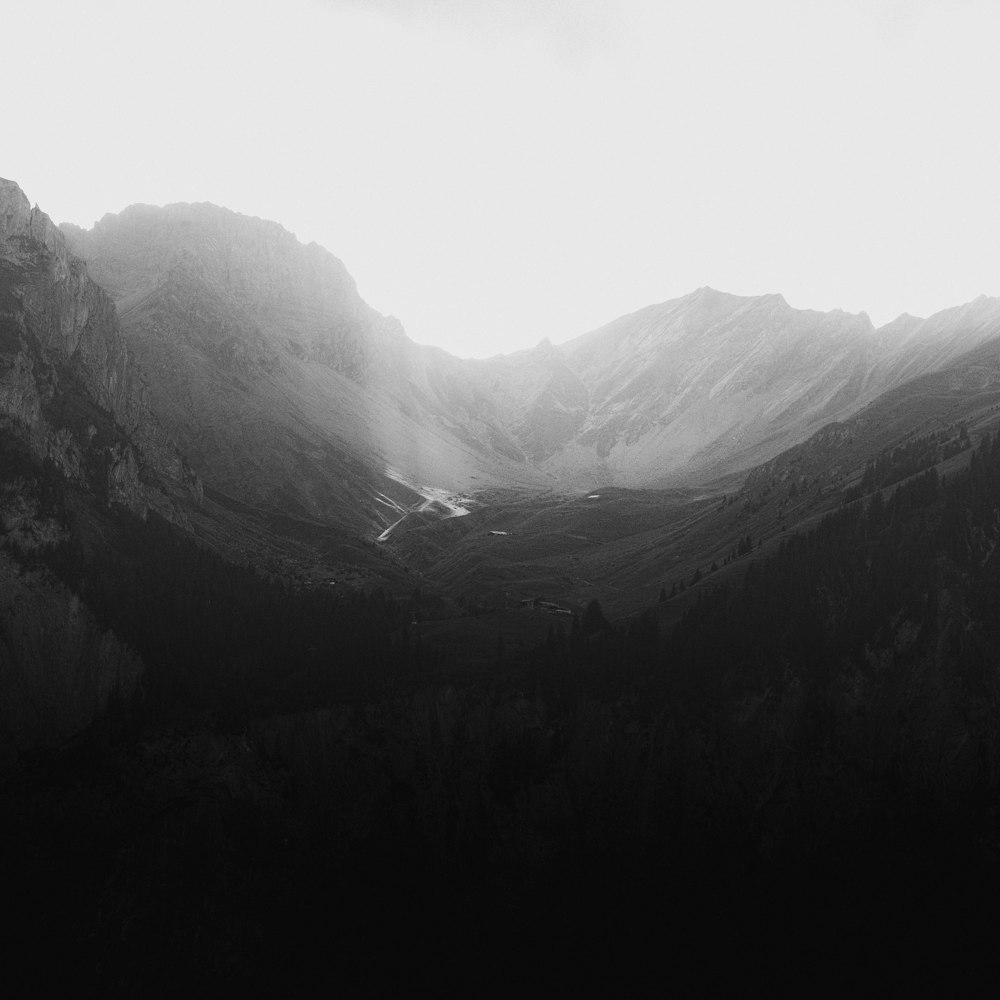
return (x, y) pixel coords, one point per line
(245, 327)
(207, 367)
(324, 652)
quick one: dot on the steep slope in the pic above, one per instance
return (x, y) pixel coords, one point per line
(69, 387)
(710, 383)
(77, 442)
(914, 347)
(965, 392)
(285, 388)
(623, 546)
(694, 385)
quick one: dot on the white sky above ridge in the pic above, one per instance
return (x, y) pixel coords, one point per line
(494, 172)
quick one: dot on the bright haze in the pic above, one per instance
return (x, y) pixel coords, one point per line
(493, 172)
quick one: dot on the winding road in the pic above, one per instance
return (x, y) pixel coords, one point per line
(438, 497)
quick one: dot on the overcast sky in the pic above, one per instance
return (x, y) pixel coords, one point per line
(494, 172)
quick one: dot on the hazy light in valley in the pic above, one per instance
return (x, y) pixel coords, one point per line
(499, 171)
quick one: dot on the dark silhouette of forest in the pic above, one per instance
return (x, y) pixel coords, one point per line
(807, 763)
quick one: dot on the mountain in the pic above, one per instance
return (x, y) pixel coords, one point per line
(914, 347)
(794, 752)
(288, 391)
(700, 385)
(321, 430)
(283, 386)
(927, 422)
(77, 442)
(334, 448)
(69, 374)
(708, 384)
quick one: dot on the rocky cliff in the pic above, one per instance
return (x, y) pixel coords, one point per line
(77, 443)
(53, 312)
(68, 383)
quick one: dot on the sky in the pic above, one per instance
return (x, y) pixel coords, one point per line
(495, 172)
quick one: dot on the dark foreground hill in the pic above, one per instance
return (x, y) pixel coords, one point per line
(803, 771)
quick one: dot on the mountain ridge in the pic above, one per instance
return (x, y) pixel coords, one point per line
(62, 328)
(334, 451)
(687, 390)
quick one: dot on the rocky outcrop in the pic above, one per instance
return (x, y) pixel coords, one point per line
(77, 439)
(67, 378)
(52, 299)
(19, 396)
(18, 220)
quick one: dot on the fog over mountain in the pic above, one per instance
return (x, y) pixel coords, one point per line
(260, 343)
(239, 364)
(643, 631)
(327, 654)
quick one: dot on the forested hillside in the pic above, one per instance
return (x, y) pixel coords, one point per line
(809, 758)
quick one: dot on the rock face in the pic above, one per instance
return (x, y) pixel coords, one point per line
(49, 299)
(68, 383)
(74, 423)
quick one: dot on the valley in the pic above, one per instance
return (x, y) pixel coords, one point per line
(283, 423)
(437, 503)
(316, 642)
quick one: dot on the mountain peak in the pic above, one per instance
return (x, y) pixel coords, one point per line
(904, 323)
(707, 293)
(18, 219)
(256, 261)
(14, 205)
